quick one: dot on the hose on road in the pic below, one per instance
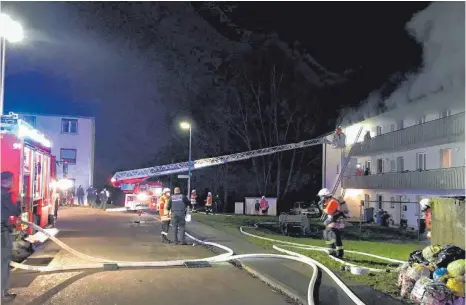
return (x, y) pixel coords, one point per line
(225, 257)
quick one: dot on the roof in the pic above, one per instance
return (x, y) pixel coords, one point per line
(56, 115)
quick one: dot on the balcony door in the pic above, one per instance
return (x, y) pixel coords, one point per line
(395, 210)
(400, 164)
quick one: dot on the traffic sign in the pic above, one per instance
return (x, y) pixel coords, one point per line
(183, 176)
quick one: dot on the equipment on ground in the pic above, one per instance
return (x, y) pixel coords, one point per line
(27, 153)
(294, 224)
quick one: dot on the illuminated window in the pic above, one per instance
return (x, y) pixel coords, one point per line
(445, 158)
(69, 126)
(68, 155)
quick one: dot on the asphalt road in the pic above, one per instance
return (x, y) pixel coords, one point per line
(115, 236)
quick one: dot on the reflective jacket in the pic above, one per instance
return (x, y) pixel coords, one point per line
(163, 208)
(208, 201)
(193, 198)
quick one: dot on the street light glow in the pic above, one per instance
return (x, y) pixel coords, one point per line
(10, 30)
(185, 125)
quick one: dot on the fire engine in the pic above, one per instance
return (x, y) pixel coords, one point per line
(140, 194)
(26, 153)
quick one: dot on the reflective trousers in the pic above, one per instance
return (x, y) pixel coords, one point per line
(165, 227)
(332, 237)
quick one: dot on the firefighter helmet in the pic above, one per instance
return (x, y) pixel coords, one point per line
(166, 190)
(324, 192)
(424, 203)
(193, 191)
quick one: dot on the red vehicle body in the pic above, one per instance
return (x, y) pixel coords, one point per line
(141, 194)
(27, 154)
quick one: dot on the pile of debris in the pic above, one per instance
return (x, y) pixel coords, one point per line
(434, 276)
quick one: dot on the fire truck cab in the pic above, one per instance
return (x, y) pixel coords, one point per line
(140, 194)
(26, 153)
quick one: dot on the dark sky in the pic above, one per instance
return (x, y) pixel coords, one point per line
(130, 67)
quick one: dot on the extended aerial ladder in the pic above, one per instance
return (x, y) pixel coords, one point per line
(137, 175)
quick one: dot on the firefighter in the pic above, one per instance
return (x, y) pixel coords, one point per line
(426, 215)
(193, 199)
(334, 222)
(176, 206)
(164, 217)
(208, 203)
(8, 209)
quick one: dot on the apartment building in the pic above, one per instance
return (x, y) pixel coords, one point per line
(73, 142)
(415, 151)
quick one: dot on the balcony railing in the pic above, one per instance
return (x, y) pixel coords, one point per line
(437, 179)
(436, 132)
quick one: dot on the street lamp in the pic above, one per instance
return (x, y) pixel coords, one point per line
(13, 32)
(186, 125)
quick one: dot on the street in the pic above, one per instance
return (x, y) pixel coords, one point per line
(115, 236)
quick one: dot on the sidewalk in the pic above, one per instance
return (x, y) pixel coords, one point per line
(290, 277)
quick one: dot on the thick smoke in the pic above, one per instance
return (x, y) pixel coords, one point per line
(440, 30)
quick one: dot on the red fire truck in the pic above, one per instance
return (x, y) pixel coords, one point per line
(140, 194)
(26, 153)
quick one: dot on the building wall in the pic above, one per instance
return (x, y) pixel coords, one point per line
(428, 109)
(82, 141)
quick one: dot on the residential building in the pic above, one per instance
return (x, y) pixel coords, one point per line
(73, 143)
(415, 151)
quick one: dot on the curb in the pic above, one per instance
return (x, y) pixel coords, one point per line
(275, 284)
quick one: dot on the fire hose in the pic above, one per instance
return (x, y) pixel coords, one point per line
(102, 263)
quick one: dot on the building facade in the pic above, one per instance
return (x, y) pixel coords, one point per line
(414, 151)
(73, 143)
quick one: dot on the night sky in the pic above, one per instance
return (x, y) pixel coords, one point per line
(129, 64)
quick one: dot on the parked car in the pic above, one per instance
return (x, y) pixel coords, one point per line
(310, 209)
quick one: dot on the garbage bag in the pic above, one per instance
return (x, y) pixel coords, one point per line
(416, 257)
(402, 275)
(456, 268)
(436, 293)
(430, 253)
(456, 286)
(449, 254)
(419, 289)
(407, 286)
(417, 271)
(439, 274)
(459, 301)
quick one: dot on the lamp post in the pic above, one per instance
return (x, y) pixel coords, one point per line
(186, 125)
(10, 31)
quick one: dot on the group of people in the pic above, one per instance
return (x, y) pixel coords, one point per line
(94, 197)
(211, 205)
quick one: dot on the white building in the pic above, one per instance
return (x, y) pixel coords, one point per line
(416, 151)
(73, 143)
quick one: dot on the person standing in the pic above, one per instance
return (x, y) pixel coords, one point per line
(177, 206)
(164, 214)
(80, 194)
(8, 209)
(103, 199)
(334, 223)
(90, 196)
(208, 203)
(193, 199)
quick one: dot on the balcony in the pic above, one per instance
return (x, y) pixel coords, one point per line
(437, 132)
(437, 179)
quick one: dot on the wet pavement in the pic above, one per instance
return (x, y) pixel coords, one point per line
(115, 236)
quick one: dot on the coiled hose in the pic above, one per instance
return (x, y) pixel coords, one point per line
(101, 263)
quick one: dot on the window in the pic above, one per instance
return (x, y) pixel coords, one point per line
(392, 202)
(392, 127)
(392, 166)
(400, 164)
(30, 119)
(379, 166)
(445, 113)
(367, 165)
(338, 168)
(445, 158)
(380, 202)
(69, 126)
(421, 161)
(367, 198)
(400, 125)
(68, 155)
(378, 130)
(421, 120)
